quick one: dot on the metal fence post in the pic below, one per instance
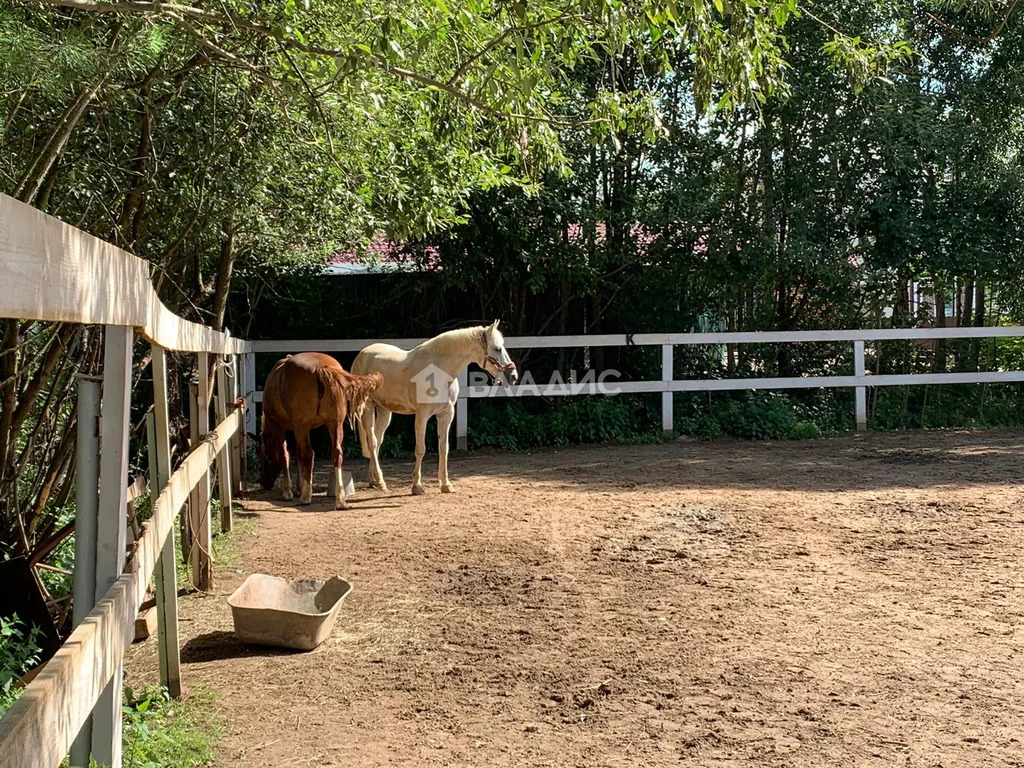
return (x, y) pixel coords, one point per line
(249, 381)
(224, 457)
(234, 390)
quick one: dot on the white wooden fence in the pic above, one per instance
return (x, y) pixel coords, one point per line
(52, 271)
(860, 380)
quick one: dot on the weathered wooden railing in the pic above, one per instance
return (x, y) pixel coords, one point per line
(859, 381)
(53, 272)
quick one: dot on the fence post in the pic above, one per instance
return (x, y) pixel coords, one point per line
(860, 393)
(87, 486)
(224, 457)
(249, 380)
(234, 390)
(111, 524)
(244, 388)
(462, 414)
(159, 438)
(199, 499)
(667, 375)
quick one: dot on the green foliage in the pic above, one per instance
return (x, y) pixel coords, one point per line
(864, 62)
(765, 415)
(523, 425)
(19, 652)
(160, 732)
(754, 415)
(804, 430)
(977, 406)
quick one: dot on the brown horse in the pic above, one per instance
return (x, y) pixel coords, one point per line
(304, 392)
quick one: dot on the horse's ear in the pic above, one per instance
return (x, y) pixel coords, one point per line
(494, 326)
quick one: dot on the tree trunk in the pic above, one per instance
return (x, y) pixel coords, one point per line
(134, 202)
(8, 399)
(966, 319)
(45, 160)
(225, 267)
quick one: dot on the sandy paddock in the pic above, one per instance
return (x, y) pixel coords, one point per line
(855, 601)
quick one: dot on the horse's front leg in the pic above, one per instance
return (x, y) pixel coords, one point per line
(305, 461)
(444, 423)
(286, 481)
(421, 450)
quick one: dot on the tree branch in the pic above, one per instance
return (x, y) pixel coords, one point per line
(974, 38)
(180, 13)
(313, 97)
(464, 67)
(159, 9)
(214, 48)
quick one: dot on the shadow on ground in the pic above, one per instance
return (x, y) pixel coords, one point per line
(214, 646)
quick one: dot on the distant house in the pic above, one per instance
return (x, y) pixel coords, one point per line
(381, 257)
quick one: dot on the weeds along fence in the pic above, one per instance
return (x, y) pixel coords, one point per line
(860, 380)
(51, 271)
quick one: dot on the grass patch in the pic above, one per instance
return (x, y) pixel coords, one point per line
(227, 548)
(160, 732)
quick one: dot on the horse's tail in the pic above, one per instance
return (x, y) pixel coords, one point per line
(359, 394)
(353, 390)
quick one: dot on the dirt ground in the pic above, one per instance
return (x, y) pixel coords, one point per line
(855, 601)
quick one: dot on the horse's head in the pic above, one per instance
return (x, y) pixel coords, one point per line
(271, 458)
(496, 360)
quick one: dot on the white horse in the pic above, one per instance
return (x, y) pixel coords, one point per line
(424, 381)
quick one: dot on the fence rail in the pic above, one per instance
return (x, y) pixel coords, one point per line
(40, 726)
(51, 271)
(859, 381)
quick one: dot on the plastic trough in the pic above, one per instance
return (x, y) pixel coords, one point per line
(298, 613)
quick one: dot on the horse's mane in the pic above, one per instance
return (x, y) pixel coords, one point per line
(451, 342)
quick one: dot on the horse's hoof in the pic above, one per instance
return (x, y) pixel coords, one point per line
(417, 490)
(447, 488)
(287, 496)
(340, 504)
(304, 501)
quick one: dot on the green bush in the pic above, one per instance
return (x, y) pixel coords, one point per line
(759, 416)
(950, 406)
(804, 430)
(19, 652)
(523, 424)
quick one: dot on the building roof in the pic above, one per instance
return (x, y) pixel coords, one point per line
(382, 256)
